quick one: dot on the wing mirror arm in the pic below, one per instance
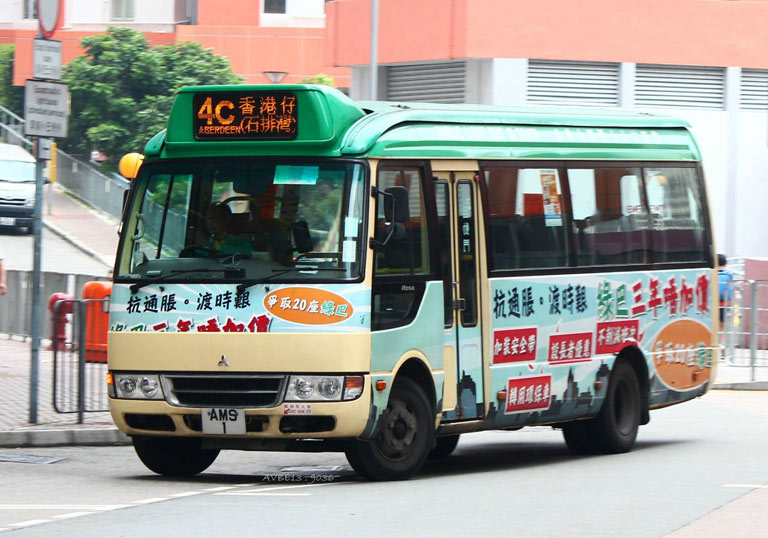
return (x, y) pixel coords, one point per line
(373, 242)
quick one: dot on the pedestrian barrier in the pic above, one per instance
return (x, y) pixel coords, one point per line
(16, 304)
(79, 367)
(744, 332)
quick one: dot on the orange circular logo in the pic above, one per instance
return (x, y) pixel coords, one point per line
(682, 354)
(308, 306)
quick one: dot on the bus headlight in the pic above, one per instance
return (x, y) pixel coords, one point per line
(323, 388)
(137, 386)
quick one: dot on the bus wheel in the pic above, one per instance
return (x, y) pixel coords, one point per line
(577, 437)
(404, 440)
(615, 428)
(173, 456)
(444, 446)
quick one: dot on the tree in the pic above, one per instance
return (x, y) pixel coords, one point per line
(122, 89)
(322, 78)
(11, 97)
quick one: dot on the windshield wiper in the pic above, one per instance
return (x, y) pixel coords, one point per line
(278, 272)
(136, 286)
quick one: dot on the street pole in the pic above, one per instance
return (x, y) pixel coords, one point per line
(34, 367)
(374, 64)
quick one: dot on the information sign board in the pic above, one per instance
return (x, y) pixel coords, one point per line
(45, 108)
(47, 59)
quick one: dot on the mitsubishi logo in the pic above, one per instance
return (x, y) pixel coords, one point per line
(223, 361)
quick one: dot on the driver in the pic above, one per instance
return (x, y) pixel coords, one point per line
(217, 219)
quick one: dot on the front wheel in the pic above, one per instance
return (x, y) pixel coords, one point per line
(444, 446)
(405, 438)
(174, 456)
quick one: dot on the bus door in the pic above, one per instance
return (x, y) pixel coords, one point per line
(457, 199)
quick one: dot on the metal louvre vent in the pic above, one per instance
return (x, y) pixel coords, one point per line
(435, 82)
(573, 83)
(754, 89)
(680, 86)
(243, 390)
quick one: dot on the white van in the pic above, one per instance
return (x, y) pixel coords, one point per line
(17, 187)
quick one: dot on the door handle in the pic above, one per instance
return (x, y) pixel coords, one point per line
(459, 303)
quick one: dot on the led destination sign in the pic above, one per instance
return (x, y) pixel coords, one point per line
(245, 116)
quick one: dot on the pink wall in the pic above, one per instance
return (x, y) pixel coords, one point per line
(695, 32)
(229, 13)
(252, 50)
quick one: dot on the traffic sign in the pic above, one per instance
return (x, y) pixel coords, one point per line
(49, 14)
(45, 108)
(47, 59)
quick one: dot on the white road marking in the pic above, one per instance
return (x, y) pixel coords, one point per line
(102, 507)
(223, 488)
(750, 486)
(72, 515)
(150, 501)
(29, 523)
(185, 494)
(248, 494)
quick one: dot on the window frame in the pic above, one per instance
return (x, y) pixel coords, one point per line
(430, 210)
(138, 186)
(562, 166)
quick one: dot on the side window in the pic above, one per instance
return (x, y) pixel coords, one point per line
(610, 224)
(526, 217)
(677, 215)
(407, 252)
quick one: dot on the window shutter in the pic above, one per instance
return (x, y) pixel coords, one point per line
(679, 86)
(754, 89)
(573, 83)
(443, 82)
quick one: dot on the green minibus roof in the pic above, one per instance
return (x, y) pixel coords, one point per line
(211, 121)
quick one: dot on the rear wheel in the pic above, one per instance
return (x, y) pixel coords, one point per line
(577, 437)
(174, 456)
(405, 438)
(614, 429)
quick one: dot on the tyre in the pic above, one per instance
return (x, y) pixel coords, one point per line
(405, 437)
(577, 437)
(444, 447)
(614, 430)
(174, 456)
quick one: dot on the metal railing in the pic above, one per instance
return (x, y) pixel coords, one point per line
(82, 179)
(79, 357)
(90, 185)
(744, 331)
(16, 305)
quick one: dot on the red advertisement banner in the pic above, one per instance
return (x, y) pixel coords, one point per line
(528, 394)
(612, 335)
(567, 348)
(514, 345)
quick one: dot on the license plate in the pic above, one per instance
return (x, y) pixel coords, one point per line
(7, 221)
(223, 421)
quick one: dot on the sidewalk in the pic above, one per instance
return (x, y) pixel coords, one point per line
(91, 231)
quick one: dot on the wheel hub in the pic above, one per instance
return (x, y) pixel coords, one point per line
(399, 431)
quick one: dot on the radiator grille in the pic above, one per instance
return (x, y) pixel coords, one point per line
(236, 390)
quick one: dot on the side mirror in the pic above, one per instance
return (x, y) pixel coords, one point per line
(396, 212)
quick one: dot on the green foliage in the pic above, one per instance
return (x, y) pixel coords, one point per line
(122, 89)
(322, 78)
(11, 97)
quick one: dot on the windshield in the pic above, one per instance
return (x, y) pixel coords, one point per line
(17, 171)
(240, 220)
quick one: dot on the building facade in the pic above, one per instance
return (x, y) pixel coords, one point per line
(702, 60)
(255, 35)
